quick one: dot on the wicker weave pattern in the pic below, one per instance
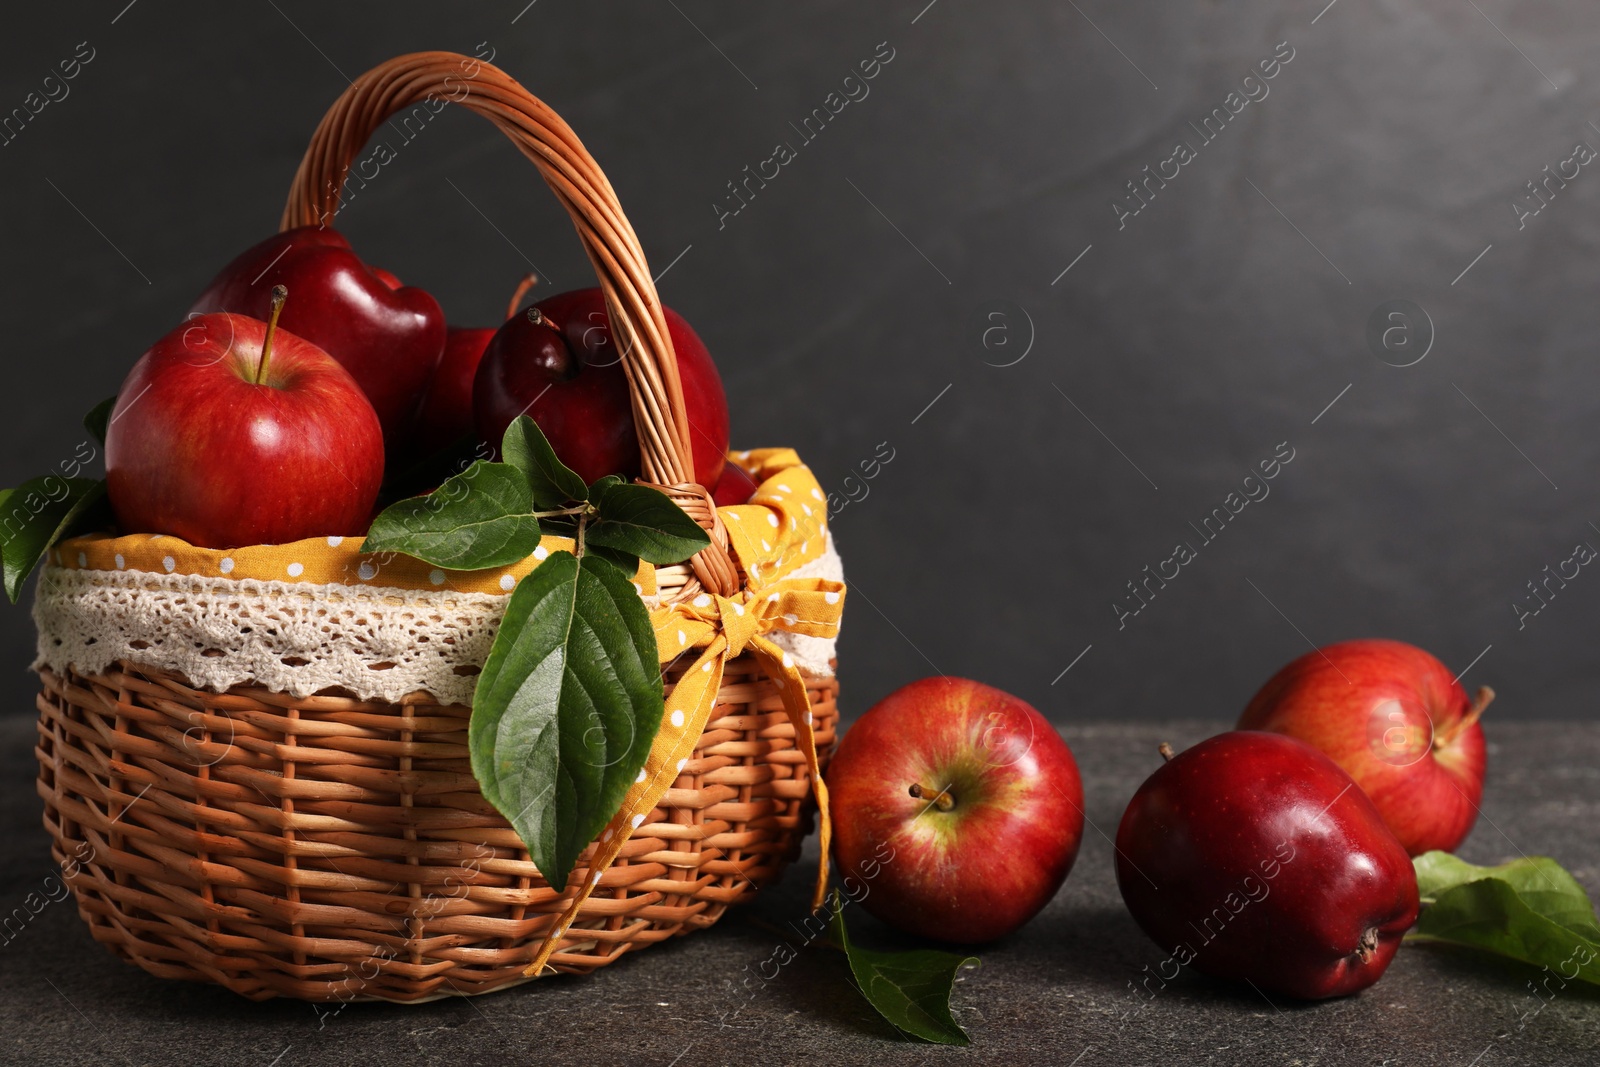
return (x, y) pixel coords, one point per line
(330, 849)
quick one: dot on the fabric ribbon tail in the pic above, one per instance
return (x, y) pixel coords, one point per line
(694, 696)
(797, 702)
(824, 836)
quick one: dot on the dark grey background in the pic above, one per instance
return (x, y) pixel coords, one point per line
(1176, 353)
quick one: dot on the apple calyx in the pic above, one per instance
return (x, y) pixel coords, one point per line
(941, 798)
(1368, 945)
(1480, 703)
(280, 296)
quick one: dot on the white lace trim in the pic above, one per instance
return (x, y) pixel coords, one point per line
(377, 643)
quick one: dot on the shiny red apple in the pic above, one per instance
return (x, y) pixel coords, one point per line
(227, 433)
(957, 809)
(1398, 722)
(734, 487)
(388, 336)
(1253, 857)
(558, 364)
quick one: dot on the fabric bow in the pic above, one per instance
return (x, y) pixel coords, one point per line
(723, 627)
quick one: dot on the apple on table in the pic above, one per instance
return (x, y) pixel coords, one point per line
(1255, 858)
(959, 808)
(1398, 721)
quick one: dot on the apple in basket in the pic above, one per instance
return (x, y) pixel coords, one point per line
(388, 336)
(958, 807)
(230, 431)
(558, 363)
(445, 418)
(734, 487)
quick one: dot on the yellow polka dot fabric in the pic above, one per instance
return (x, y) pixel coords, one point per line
(314, 561)
(781, 528)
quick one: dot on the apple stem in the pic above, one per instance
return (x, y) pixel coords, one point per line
(583, 520)
(1480, 703)
(1166, 752)
(528, 281)
(941, 799)
(539, 318)
(280, 296)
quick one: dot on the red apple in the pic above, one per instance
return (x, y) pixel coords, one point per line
(557, 363)
(958, 806)
(734, 487)
(1254, 857)
(389, 337)
(229, 433)
(446, 414)
(1398, 722)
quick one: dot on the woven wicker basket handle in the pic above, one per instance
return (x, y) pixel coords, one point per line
(637, 321)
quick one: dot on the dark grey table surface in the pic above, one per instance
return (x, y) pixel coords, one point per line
(1059, 992)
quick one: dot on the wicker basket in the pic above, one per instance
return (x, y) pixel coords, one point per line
(333, 849)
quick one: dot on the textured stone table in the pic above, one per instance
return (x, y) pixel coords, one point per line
(1057, 993)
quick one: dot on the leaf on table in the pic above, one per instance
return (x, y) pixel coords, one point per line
(911, 989)
(479, 518)
(1530, 909)
(99, 418)
(643, 522)
(1545, 884)
(39, 513)
(566, 708)
(525, 447)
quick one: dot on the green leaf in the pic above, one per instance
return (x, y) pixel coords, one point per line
(626, 562)
(39, 513)
(1547, 886)
(910, 989)
(1530, 910)
(99, 418)
(478, 518)
(566, 708)
(644, 522)
(524, 447)
(600, 485)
